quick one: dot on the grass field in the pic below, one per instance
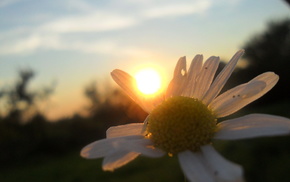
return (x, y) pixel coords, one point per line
(266, 160)
(263, 159)
(73, 168)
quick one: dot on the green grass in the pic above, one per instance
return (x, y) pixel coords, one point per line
(73, 168)
(264, 159)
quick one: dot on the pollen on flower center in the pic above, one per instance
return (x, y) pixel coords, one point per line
(181, 123)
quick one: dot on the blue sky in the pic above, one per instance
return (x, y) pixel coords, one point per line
(74, 42)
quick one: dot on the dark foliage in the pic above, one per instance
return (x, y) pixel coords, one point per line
(270, 51)
(37, 136)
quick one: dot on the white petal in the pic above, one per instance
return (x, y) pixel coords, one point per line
(222, 78)
(240, 96)
(144, 147)
(194, 167)
(223, 169)
(104, 147)
(270, 78)
(125, 130)
(180, 67)
(235, 98)
(177, 84)
(118, 159)
(129, 85)
(253, 125)
(205, 77)
(194, 70)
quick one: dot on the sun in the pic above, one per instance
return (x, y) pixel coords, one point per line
(148, 81)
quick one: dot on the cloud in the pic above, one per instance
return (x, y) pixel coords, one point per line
(28, 44)
(78, 5)
(92, 18)
(177, 9)
(55, 42)
(112, 18)
(95, 22)
(5, 3)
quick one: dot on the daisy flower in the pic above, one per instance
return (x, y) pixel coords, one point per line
(184, 121)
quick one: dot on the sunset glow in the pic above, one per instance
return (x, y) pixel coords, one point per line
(148, 81)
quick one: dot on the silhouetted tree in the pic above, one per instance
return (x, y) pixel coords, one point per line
(270, 51)
(93, 95)
(21, 102)
(287, 1)
(112, 106)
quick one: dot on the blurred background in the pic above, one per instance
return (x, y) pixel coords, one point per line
(56, 93)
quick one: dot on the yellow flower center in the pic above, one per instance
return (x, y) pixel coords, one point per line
(181, 123)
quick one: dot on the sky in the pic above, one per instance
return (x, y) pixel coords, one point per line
(75, 42)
